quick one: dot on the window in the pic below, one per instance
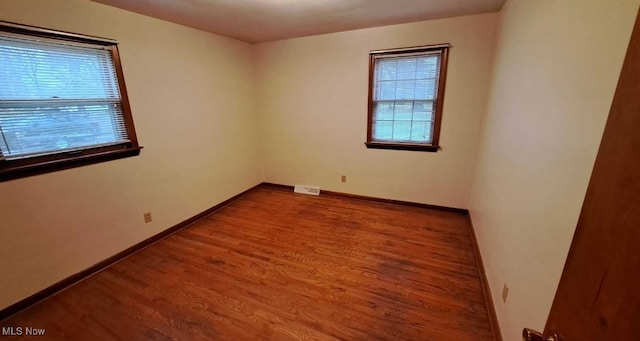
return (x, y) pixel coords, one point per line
(406, 91)
(63, 102)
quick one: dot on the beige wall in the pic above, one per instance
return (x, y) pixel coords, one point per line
(313, 112)
(557, 64)
(191, 93)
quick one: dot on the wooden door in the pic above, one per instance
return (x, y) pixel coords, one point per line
(599, 293)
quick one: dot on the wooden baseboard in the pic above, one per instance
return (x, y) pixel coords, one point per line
(368, 198)
(488, 300)
(75, 278)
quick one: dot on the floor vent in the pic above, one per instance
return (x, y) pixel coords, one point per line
(311, 190)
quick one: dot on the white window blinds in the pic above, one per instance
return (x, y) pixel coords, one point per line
(57, 97)
(405, 92)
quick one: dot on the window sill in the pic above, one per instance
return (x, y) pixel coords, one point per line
(15, 169)
(402, 146)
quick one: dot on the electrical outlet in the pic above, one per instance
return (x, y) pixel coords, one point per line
(343, 179)
(505, 293)
(147, 217)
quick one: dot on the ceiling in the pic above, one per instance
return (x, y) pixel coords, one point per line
(256, 21)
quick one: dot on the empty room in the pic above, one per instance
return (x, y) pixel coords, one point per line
(319, 170)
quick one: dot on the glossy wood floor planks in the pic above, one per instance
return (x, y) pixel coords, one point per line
(275, 265)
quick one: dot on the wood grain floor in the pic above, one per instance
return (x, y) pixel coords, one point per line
(275, 265)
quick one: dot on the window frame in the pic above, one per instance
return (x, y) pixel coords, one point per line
(434, 146)
(29, 166)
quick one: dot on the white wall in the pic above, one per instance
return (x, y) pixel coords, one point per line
(313, 112)
(192, 98)
(556, 68)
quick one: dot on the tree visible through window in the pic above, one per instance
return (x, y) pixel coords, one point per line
(62, 102)
(405, 98)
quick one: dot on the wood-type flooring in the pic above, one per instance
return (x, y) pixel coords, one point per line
(274, 265)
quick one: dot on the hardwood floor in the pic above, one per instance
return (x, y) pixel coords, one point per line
(275, 265)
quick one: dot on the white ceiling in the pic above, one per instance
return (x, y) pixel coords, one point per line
(267, 20)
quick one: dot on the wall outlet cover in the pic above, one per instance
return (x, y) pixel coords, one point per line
(505, 292)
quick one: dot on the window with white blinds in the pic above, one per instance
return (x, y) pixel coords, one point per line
(59, 95)
(406, 93)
